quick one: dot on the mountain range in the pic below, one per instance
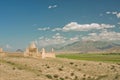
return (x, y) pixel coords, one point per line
(90, 46)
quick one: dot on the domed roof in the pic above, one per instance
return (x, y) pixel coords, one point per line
(32, 45)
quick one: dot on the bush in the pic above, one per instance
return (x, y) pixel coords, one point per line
(48, 67)
(55, 76)
(61, 78)
(49, 76)
(66, 77)
(13, 68)
(76, 78)
(71, 63)
(60, 69)
(72, 74)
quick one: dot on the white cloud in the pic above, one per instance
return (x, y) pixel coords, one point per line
(114, 13)
(52, 6)
(92, 34)
(104, 35)
(44, 29)
(108, 12)
(55, 39)
(76, 38)
(58, 36)
(118, 15)
(57, 29)
(74, 26)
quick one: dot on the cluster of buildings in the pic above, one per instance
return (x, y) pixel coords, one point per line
(33, 51)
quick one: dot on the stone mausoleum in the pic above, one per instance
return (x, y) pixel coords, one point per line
(32, 51)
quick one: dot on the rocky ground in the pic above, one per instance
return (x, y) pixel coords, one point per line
(20, 68)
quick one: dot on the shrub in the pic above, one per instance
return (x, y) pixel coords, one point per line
(79, 69)
(48, 67)
(76, 65)
(55, 76)
(72, 74)
(100, 63)
(60, 69)
(83, 78)
(49, 76)
(76, 78)
(84, 75)
(71, 63)
(116, 77)
(61, 78)
(66, 77)
(84, 64)
(13, 68)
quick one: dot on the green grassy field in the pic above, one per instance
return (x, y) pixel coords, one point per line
(93, 57)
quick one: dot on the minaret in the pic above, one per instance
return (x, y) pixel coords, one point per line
(43, 53)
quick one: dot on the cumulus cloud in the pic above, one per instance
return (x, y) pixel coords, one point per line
(43, 29)
(104, 35)
(52, 6)
(118, 15)
(114, 13)
(108, 12)
(76, 38)
(55, 39)
(74, 26)
(58, 37)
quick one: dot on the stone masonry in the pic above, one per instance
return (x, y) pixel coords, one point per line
(32, 51)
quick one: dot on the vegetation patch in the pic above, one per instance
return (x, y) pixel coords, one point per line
(114, 58)
(48, 76)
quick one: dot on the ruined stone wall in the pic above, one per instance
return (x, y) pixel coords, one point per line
(51, 55)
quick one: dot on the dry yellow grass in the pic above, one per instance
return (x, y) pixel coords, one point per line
(20, 68)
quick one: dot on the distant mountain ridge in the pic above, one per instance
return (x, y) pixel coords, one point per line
(91, 46)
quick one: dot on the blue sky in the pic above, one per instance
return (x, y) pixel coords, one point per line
(49, 22)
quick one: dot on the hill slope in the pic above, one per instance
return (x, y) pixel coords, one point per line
(91, 46)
